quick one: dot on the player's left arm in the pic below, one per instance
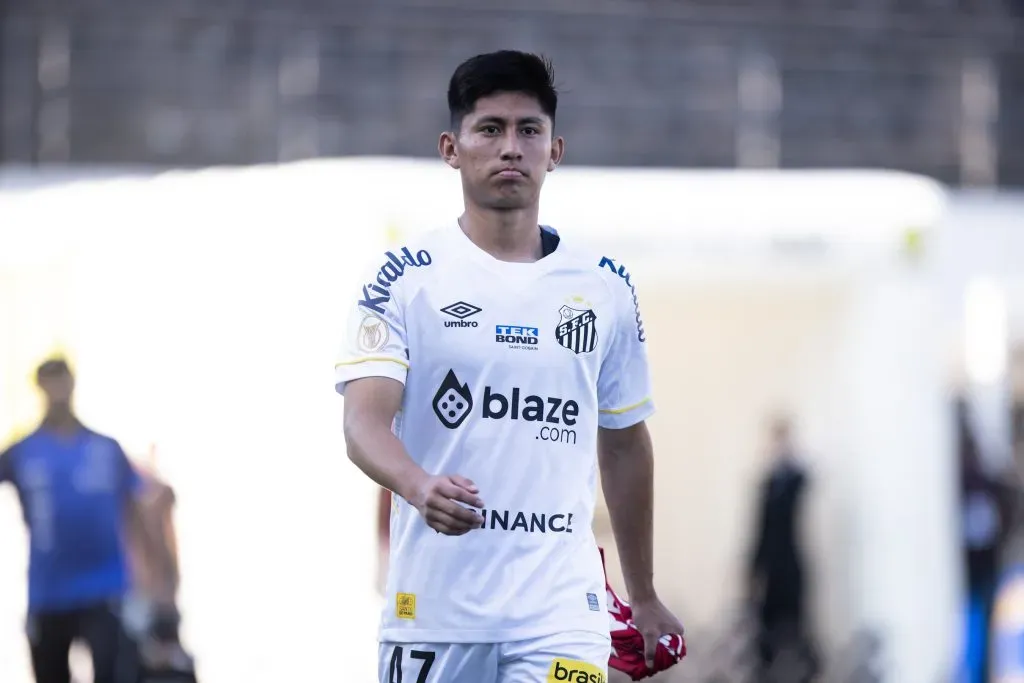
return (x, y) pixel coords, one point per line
(138, 494)
(626, 458)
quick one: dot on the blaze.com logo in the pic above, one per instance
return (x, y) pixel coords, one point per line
(557, 417)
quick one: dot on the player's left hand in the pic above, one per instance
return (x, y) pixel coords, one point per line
(654, 620)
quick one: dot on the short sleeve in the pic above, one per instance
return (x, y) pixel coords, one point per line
(132, 483)
(624, 384)
(375, 344)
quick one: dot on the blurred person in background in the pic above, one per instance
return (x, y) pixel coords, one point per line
(777, 583)
(1007, 621)
(985, 504)
(80, 498)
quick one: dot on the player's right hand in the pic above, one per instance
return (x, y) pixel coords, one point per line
(442, 501)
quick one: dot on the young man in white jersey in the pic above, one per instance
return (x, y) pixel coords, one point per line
(487, 363)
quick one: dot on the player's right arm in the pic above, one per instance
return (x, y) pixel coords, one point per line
(371, 375)
(370, 407)
(371, 404)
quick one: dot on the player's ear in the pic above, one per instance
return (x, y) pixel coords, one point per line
(557, 151)
(447, 149)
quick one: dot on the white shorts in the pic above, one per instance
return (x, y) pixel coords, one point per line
(574, 657)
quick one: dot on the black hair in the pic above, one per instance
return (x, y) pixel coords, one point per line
(53, 367)
(502, 71)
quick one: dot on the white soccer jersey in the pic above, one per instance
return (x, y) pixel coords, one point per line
(509, 369)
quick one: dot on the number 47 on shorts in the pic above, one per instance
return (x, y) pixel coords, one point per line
(425, 660)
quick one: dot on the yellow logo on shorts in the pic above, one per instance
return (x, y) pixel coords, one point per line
(405, 606)
(571, 671)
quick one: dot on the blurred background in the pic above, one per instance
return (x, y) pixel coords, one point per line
(821, 202)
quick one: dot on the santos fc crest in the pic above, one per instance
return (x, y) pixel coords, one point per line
(577, 330)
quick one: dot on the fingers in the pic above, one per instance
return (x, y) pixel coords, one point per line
(470, 518)
(444, 523)
(445, 509)
(456, 491)
(653, 638)
(462, 482)
(451, 514)
(650, 648)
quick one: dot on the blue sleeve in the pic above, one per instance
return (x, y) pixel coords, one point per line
(131, 481)
(7, 466)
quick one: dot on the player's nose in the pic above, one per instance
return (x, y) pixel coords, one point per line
(511, 149)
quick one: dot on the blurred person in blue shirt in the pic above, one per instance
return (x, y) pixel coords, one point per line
(78, 494)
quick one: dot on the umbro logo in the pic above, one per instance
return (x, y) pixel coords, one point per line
(461, 310)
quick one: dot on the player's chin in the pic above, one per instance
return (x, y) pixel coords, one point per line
(510, 200)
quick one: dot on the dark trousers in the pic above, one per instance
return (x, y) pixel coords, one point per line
(785, 648)
(98, 626)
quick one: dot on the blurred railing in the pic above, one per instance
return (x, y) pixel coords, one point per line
(933, 87)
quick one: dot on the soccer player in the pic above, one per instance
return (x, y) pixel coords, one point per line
(79, 495)
(487, 363)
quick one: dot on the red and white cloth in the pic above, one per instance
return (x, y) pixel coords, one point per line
(628, 643)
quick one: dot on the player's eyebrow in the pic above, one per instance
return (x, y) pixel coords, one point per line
(502, 120)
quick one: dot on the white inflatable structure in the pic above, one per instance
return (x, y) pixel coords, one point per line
(203, 310)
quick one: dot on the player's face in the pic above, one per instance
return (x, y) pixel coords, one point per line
(57, 388)
(504, 149)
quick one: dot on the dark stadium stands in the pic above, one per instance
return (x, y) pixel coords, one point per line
(866, 83)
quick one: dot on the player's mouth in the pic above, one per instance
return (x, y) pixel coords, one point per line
(510, 173)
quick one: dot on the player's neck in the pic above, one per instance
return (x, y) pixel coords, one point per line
(505, 235)
(61, 420)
